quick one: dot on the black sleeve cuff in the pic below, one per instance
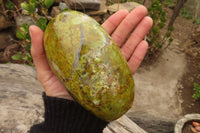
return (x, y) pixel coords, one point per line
(66, 116)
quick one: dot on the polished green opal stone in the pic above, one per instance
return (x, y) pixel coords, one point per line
(89, 64)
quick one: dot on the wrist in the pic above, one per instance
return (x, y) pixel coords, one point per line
(63, 95)
(69, 115)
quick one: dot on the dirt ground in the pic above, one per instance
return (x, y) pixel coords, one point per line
(183, 31)
(164, 87)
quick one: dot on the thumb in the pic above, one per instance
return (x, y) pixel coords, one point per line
(37, 49)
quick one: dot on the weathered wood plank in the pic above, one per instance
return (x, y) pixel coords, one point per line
(130, 125)
(107, 130)
(123, 125)
(117, 128)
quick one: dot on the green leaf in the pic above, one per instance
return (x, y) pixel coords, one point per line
(29, 7)
(196, 21)
(27, 57)
(167, 34)
(17, 56)
(158, 45)
(20, 35)
(42, 23)
(25, 6)
(23, 32)
(198, 66)
(163, 19)
(66, 9)
(153, 40)
(26, 27)
(33, 5)
(170, 40)
(196, 88)
(10, 5)
(161, 25)
(155, 30)
(28, 47)
(48, 3)
(170, 28)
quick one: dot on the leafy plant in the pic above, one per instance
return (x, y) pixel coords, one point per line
(23, 32)
(42, 23)
(186, 14)
(33, 5)
(10, 10)
(47, 3)
(10, 5)
(17, 56)
(154, 38)
(196, 88)
(31, 8)
(196, 21)
(168, 3)
(122, 1)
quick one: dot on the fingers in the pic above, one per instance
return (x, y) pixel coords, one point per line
(136, 37)
(37, 49)
(138, 56)
(126, 26)
(112, 22)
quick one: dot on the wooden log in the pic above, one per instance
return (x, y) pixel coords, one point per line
(123, 125)
(107, 130)
(117, 128)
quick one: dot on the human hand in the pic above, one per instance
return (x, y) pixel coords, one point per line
(119, 26)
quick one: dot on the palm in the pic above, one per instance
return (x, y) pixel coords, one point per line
(119, 26)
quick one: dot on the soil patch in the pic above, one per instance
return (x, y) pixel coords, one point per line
(183, 31)
(190, 105)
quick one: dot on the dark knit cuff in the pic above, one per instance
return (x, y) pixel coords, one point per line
(66, 116)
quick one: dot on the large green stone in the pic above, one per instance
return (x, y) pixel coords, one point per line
(89, 64)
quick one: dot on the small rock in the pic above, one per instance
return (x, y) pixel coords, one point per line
(4, 23)
(84, 4)
(3, 59)
(20, 98)
(196, 34)
(192, 53)
(5, 36)
(102, 10)
(106, 16)
(128, 6)
(10, 50)
(62, 6)
(97, 18)
(58, 1)
(55, 11)
(20, 20)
